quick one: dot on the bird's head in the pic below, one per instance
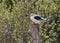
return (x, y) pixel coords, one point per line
(32, 14)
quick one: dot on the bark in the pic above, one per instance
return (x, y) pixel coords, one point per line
(35, 33)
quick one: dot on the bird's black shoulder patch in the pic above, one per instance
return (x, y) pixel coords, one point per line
(38, 18)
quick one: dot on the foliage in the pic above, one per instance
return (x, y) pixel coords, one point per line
(15, 26)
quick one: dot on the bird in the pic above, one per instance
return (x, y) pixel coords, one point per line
(36, 18)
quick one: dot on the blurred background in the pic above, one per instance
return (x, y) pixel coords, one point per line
(15, 25)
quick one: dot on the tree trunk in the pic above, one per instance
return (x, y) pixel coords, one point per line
(35, 33)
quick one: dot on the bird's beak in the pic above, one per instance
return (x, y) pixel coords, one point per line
(26, 15)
